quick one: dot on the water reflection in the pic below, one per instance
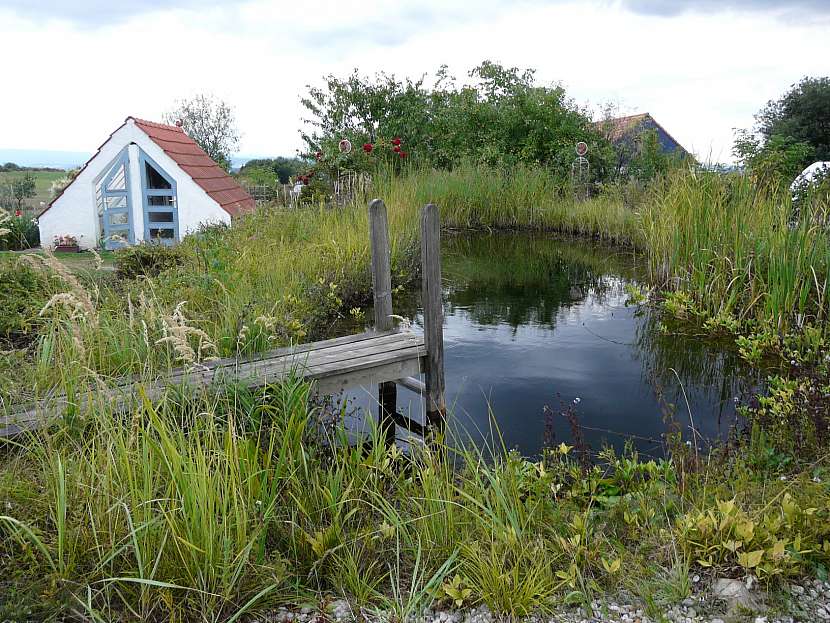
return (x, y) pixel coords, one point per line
(534, 321)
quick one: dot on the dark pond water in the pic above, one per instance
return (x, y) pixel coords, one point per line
(535, 326)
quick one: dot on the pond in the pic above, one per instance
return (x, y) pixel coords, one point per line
(538, 326)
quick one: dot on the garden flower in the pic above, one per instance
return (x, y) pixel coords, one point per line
(396, 149)
(403, 154)
(368, 147)
(396, 141)
(319, 155)
(18, 213)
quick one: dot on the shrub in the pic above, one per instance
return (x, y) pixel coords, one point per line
(146, 259)
(23, 293)
(22, 233)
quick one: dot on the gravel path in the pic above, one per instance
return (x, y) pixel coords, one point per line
(722, 601)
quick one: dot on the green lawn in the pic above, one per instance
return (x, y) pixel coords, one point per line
(84, 260)
(43, 182)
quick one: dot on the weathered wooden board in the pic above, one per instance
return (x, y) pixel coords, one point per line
(332, 365)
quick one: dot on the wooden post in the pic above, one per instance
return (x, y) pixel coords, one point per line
(433, 316)
(382, 292)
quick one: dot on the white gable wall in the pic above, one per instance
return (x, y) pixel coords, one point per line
(76, 213)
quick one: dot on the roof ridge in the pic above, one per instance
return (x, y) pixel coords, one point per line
(156, 124)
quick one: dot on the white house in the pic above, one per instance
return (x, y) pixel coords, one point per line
(148, 181)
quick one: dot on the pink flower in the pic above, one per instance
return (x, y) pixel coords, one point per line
(18, 213)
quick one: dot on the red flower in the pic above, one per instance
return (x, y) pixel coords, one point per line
(319, 155)
(305, 180)
(396, 149)
(403, 154)
(18, 213)
(368, 147)
(396, 141)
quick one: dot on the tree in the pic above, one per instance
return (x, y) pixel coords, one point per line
(801, 114)
(20, 189)
(773, 163)
(210, 122)
(502, 117)
(272, 170)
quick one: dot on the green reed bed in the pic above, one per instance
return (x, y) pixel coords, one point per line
(210, 506)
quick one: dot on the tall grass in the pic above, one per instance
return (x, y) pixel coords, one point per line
(209, 506)
(736, 251)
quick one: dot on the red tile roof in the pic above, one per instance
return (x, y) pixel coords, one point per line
(220, 186)
(616, 129)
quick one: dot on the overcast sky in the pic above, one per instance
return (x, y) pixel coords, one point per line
(72, 71)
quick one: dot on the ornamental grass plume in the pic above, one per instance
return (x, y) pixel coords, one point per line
(178, 333)
(80, 300)
(4, 218)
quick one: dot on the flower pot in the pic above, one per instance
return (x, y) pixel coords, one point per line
(67, 248)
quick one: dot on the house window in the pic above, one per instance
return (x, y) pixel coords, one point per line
(159, 198)
(113, 195)
(156, 180)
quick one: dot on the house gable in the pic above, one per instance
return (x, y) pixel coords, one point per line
(76, 210)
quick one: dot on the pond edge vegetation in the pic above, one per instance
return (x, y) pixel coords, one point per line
(119, 516)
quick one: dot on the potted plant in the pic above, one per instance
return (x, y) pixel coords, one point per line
(67, 243)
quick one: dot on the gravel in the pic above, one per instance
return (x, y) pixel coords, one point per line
(807, 601)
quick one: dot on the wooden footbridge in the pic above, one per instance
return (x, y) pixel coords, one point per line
(384, 356)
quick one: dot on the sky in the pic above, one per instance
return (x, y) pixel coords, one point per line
(72, 71)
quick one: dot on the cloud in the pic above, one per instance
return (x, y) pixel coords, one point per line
(386, 22)
(97, 12)
(669, 8)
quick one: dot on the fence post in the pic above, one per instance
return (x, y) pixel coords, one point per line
(433, 315)
(382, 293)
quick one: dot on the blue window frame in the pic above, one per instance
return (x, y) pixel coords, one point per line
(115, 200)
(158, 195)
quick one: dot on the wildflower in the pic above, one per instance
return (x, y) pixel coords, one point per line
(396, 141)
(368, 147)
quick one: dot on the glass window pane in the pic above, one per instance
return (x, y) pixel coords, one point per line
(119, 218)
(155, 180)
(160, 217)
(111, 203)
(119, 179)
(156, 233)
(160, 200)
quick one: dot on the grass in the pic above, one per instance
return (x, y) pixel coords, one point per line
(206, 506)
(213, 505)
(43, 184)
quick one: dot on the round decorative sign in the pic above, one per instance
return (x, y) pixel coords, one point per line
(581, 148)
(345, 146)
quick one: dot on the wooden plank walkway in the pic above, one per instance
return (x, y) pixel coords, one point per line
(333, 365)
(386, 357)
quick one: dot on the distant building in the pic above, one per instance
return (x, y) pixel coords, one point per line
(624, 134)
(147, 182)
